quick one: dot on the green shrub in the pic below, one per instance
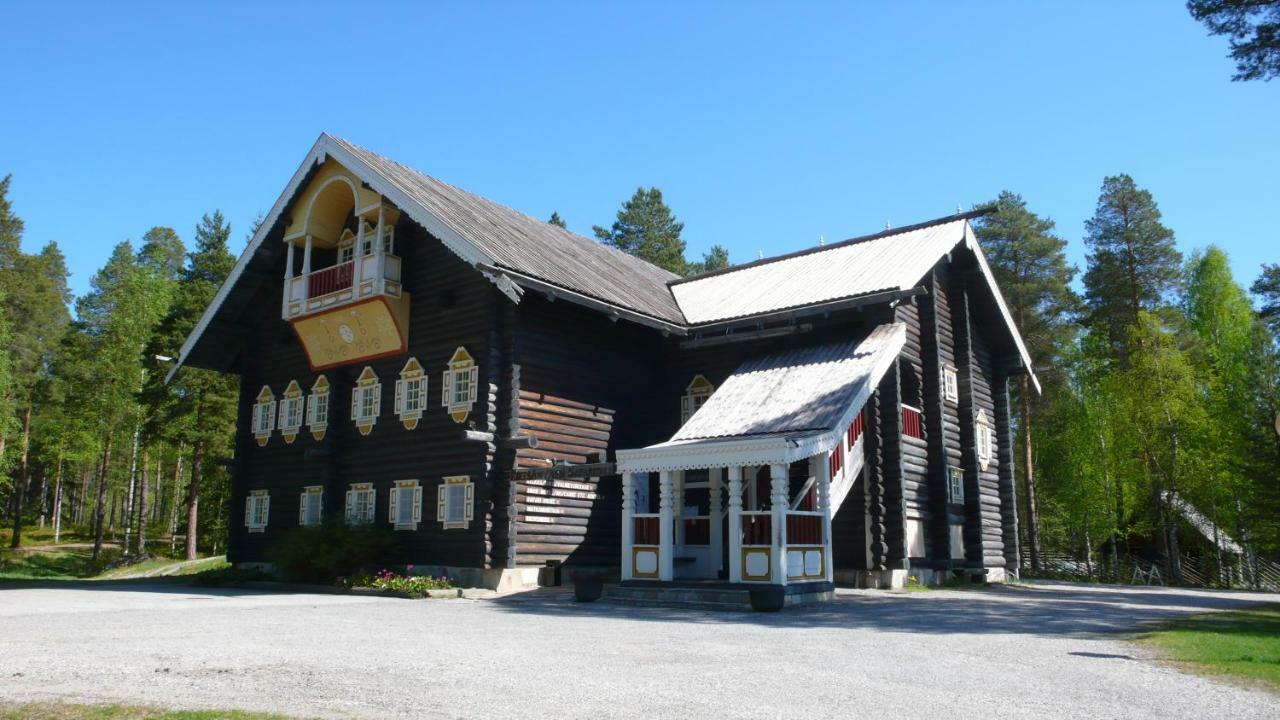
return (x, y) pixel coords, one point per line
(324, 553)
(413, 585)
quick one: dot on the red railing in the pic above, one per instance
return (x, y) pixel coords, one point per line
(757, 530)
(647, 531)
(331, 280)
(912, 423)
(804, 529)
(855, 429)
(836, 460)
(697, 531)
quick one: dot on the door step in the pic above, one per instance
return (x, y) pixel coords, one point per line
(691, 598)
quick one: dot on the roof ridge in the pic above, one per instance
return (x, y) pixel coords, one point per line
(832, 246)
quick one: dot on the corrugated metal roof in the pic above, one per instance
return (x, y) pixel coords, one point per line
(807, 389)
(890, 262)
(531, 246)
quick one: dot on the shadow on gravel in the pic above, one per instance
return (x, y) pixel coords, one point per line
(1061, 611)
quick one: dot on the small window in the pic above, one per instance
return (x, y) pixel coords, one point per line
(318, 408)
(411, 393)
(695, 396)
(950, 385)
(311, 505)
(360, 504)
(366, 401)
(955, 486)
(456, 502)
(460, 384)
(984, 439)
(290, 420)
(404, 509)
(264, 415)
(346, 252)
(257, 508)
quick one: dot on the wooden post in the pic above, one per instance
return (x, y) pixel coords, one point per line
(288, 263)
(306, 257)
(628, 524)
(778, 506)
(822, 471)
(666, 563)
(677, 510)
(735, 524)
(717, 519)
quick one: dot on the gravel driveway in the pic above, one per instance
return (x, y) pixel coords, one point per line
(1034, 652)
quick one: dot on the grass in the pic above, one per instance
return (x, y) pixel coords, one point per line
(34, 536)
(1243, 644)
(166, 567)
(66, 711)
(52, 563)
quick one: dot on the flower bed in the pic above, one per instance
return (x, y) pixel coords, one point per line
(417, 586)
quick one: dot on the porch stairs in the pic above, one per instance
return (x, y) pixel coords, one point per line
(684, 596)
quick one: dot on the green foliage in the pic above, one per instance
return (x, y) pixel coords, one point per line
(1254, 29)
(556, 220)
(411, 585)
(321, 554)
(647, 229)
(717, 258)
(1267, 288)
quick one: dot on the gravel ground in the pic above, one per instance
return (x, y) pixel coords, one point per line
(1029, 652)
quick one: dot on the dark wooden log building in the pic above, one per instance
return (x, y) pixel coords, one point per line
(507, 395)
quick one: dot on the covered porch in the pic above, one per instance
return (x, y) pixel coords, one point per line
(746, 490)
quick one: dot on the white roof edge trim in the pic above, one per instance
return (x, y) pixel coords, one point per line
(971, 242)
(725, 451)
(325, 147)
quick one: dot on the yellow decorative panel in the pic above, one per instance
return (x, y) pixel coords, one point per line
(372, 329)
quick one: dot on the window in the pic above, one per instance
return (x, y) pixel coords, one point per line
(456, 502)
(257, 508)
(346, 247)
(310, 505)
(318, 408)
(955, 486)
(404, 509)
(366, 401)
(950, 386)
(360, 504)
(411, 393)
(264, 415)
(291, 411)
(984, 439)
(458, 391)
(695, 396)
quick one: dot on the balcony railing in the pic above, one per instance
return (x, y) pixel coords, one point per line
(912, 422)
(331, 279)
(354, 280)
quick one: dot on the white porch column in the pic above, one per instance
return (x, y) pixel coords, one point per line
(288, 262)
(666, 562)
(735, 524)
(306, 257)
(822, 470)
(717, 519)
(379, 255)
(778, 506)
(628, 524)
(677, 509)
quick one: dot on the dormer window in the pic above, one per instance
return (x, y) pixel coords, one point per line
(695, 396)
(291, 411)
(411, 393)
(264, 415)
(459, 386)
(366, 401)
(318, 408)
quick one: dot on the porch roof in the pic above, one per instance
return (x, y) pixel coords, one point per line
(778, 408)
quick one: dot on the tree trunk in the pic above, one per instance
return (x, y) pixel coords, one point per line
(142, 504)
(57, 500)
(126, 516)
(175, 494)
(193, 499)
(1029, 473)
(43, 493)
(102, 497)
(20, 488)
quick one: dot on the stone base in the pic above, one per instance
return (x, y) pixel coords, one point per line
(499, 579)
(708, 595)
(873, 579)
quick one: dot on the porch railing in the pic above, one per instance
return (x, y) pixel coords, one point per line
(757, 527)
(331, 280)
(647, 530)
(804, 528)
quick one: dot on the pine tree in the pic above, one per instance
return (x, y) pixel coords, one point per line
(1254, 29)
(556, 220)
(717, 258)
(646, 228)
(1133, 263)
(1267, 288)
(1033, 274)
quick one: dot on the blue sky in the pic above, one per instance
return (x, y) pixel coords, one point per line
(765, 126)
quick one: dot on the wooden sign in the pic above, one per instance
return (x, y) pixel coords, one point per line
(371, 329)
(559, 472)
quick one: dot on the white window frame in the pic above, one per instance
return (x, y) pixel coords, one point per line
(411, 385)
(361, 504)
(318, 408)
(312, 494)
(695, 396)
(955, 485)
(950, 384)
(347, 248)
(456, 489)
(257, 510)
(290, 411)
(400, 491)
(264, 415)
(460, 384)
(984, 439)
(366, 401)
